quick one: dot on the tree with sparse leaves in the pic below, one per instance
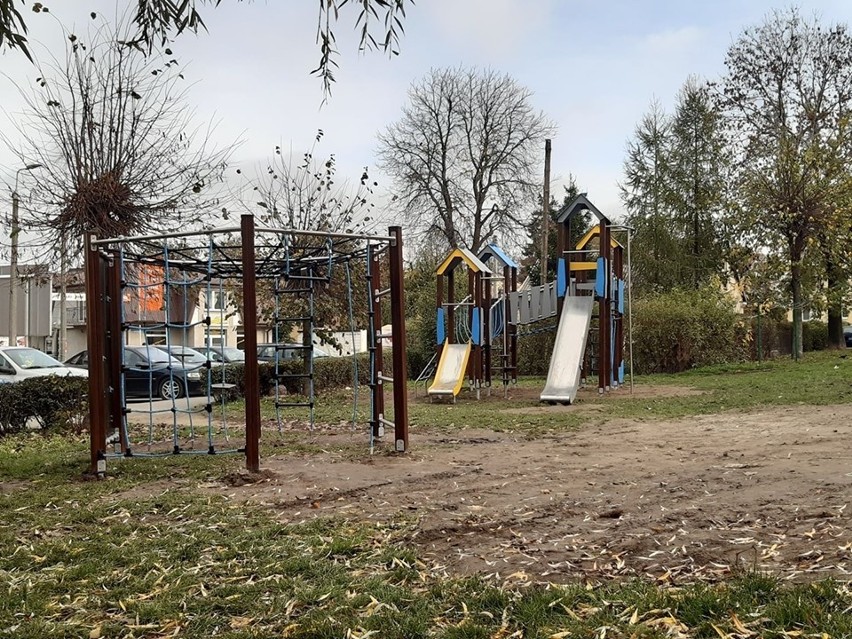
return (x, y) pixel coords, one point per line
(787, 102)
(159, 21)
(115, 144)
(464, 157)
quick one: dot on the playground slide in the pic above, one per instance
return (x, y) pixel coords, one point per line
(563, 376)
(449, 378)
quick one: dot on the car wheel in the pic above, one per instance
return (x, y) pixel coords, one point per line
(170, 389)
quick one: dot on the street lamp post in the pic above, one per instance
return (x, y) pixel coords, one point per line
(13, 259)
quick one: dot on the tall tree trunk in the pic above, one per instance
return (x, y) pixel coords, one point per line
(796, 288)
(835, 306)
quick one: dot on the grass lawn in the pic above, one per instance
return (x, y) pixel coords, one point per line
(160, 550)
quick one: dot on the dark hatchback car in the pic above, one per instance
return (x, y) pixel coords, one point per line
(226, 354)
(149, 372)
(847, 335)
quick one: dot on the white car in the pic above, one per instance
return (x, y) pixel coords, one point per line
(22, 362)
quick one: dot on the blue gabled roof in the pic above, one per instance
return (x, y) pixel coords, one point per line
(492, 250)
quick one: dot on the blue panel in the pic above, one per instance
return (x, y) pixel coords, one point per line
(496, 320)
(621, 373)
(621, 296)
(475, 332)
(600, 278)
(441, 330)
(561, 280)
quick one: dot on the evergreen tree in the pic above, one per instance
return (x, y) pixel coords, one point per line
(645, 195)
(695, 184)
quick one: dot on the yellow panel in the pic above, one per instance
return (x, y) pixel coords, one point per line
(584, 266)
(595, 230)
(456, 254)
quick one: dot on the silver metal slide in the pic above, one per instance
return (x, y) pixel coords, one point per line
(563, 376)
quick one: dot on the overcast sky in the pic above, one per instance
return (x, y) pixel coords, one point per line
(593, 66)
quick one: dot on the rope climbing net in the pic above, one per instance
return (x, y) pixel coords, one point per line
(151, 299)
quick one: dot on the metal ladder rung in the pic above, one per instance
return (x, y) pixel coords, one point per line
(386, 422)
(384, 335)
(293, 376)
(293, 404)
(384, 378)
(379, 293)
(275, 318)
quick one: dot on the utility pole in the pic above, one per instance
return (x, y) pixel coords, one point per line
(13, 259)
(545, 215)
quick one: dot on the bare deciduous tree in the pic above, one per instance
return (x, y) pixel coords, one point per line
(118, 149)
(464, 155)
(306, 194)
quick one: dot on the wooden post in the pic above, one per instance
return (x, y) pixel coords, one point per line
(545, 213)
(252, 379)
(400, 365)
(95, 326)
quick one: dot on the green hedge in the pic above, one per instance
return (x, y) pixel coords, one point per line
(51, 402)
(676, 331)
(329, 373)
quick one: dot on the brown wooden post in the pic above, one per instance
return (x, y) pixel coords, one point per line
(114, 363)
(400, 361)
(95, 334)
(252, 380)
(378, 386)
(545, 213)
(486, 334)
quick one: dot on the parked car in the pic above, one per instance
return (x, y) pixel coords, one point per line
(22, 362)
(226, 354)
(189, 357)
(284, 352)
(149, 372)
(847, 335)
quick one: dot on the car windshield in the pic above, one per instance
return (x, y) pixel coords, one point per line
(28, 358)
(234, 354)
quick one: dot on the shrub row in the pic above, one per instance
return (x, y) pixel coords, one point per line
(51, 403)
(685, 329)
(329, 373)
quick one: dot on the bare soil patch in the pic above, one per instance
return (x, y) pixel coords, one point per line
(678, 501)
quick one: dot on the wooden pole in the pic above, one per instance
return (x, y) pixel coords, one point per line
(252, 379)
(95, 348)
(545, 213)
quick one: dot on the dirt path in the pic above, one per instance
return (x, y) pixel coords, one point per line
(676, 501)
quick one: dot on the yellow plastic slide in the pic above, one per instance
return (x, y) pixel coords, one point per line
(449, 377)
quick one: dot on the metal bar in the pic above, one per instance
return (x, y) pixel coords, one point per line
(95, 347)
(378, 360)
(164, 236)
(400, 366)
(385, 378)
(114, 355)
(252, 379)
(331, 234)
